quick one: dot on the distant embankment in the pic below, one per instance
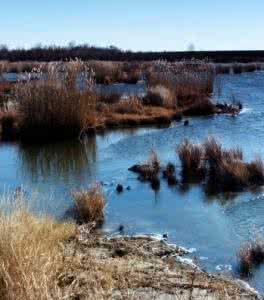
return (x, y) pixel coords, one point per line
(115, 54)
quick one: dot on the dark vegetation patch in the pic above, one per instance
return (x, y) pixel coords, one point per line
(223, 169)
(86, 52)
(169, 174)
(217, 168)
(250, 256)
(149, 170)
(192, 161)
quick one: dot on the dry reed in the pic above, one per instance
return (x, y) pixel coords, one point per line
(90, 204)
(31, 256)
(60, 105)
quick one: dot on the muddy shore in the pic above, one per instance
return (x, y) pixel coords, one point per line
(139, 267)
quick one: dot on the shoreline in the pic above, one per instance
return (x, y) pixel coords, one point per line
(145, 267)
(151, 116)
(159, 117)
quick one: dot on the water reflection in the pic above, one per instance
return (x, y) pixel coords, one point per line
(64, 160)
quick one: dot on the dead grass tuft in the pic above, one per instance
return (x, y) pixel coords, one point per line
(224, 169)
(31, 257)
(61, 105)
(251, 254)
(192, 160)
(256, 171)
(90, 204)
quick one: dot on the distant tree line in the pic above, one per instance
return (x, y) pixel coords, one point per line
(85, 52)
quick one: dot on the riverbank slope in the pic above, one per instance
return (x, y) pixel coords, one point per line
(140, 268)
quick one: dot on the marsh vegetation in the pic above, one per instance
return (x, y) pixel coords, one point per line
(63, 101)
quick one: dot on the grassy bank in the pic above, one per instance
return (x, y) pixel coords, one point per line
(31, 255)
(64, 102)
(32, 248)
(43, 259)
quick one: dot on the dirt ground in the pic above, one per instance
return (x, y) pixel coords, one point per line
(138, 268)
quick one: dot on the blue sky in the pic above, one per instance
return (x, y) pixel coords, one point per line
(133, 24)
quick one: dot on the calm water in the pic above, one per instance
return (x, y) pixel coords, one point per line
(214, 226)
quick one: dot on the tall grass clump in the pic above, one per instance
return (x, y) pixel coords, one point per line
(90, 205)
(59, 105)
(223, 169)
(256, 171)
(250, 255)
(187, 83)
(31, 255)
(213, 154)
(192, 160)
(169, 174)
(226, 169)
(233, 175)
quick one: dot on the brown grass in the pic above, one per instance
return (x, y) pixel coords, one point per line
(135, 116)
(63, 102)
(256, 171)
(107, 72)
(31, 257)
(231, 175)
(187, 82)
(44, 259)
(251, 254)
(131, 105)
(224, 169)
(90, 204)
(153, 161)
(227, 169)
(192, 159)
(56, 106)
(160, 95)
